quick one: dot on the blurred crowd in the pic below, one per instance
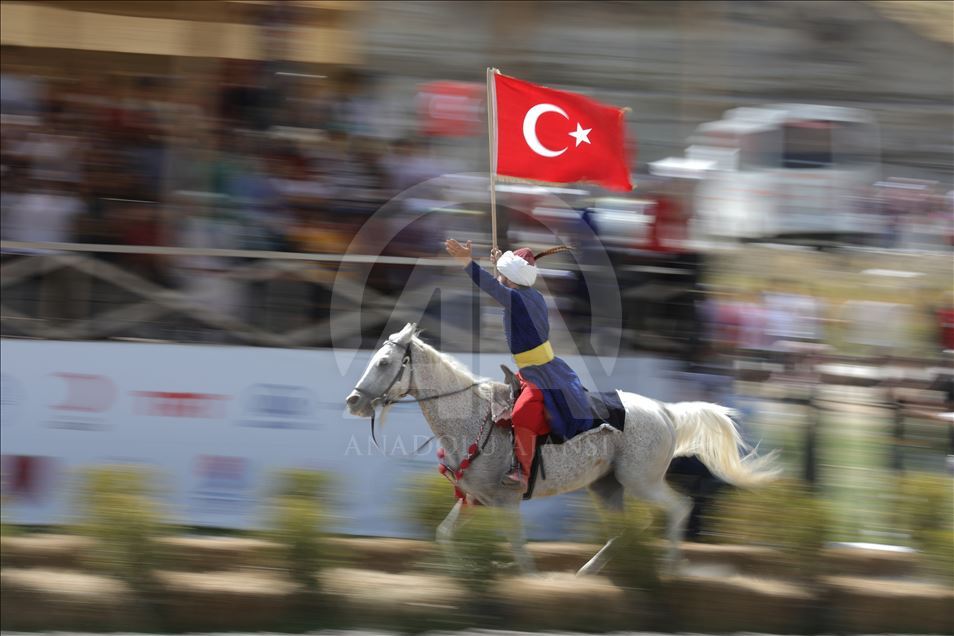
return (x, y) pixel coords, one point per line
(789, 318)
(252, 160)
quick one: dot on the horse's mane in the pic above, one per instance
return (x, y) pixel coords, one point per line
(449, 361)
(457, 367)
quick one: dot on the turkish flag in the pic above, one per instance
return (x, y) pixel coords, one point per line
(558, 137)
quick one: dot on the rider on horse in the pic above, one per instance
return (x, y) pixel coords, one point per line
(552, 398)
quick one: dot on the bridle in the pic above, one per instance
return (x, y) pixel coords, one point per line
(384, 397)
(386, 401)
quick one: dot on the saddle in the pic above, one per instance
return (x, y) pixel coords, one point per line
(605, 408)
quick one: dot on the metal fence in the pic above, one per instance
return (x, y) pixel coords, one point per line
(280, 299)
(283, 299)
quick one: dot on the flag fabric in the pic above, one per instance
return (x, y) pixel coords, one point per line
(558, 137)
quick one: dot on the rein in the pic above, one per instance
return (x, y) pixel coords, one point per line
(387, 402)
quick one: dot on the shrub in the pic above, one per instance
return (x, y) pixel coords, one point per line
(938, 548)
(297, 521)
(783, 515)
(477, 546)
(6, 529)
(924, 505)
(634, 556)
(118, 507)
(428, 499)
(309, 484)
(924, 511)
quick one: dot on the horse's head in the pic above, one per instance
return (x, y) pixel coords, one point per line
(385, 378)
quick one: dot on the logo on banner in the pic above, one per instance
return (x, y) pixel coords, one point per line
(278, 406)
(11, 397)
(180, 404)
(222, 485)
(81, 401)
(26, 478)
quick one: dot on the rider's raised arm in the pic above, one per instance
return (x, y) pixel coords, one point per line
(489, 284)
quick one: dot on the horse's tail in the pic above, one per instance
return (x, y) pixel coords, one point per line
(708, 432)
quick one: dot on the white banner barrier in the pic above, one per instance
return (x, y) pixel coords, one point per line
(217, 423)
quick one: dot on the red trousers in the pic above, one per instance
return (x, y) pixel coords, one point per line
(528, 411)
(529, 419)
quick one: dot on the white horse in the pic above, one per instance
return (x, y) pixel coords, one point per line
(461, 411)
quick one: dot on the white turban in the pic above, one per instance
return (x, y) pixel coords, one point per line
(516, 269)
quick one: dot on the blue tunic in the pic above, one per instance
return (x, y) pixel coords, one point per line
(527, 325)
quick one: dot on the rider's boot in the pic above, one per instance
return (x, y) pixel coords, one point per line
(524, 447)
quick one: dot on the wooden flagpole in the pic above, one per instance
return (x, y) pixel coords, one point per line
(492, 156)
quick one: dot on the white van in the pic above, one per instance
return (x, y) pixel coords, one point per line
(784, 170)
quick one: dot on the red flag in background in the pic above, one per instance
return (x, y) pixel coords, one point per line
(451, 109)
(558, 137)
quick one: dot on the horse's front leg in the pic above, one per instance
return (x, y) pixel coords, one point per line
(599, 560)
(445, 531)
(512, 526)
(447, 527)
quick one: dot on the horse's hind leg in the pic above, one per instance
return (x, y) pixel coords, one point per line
(512, 526)
(677, 509)
(609, 492)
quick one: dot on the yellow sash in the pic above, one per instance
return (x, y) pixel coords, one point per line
(541, 354)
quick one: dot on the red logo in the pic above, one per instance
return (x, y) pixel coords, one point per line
(86, 393)
(176, 404)
(222, 472)
(26, 478)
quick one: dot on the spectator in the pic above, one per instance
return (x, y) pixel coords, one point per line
(46, 212)
(140, 224)
(54, 153)
(880, 328)
(200, 220)
(944, 317)
(10, 196)
(791, 315)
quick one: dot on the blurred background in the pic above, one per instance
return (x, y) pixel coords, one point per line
(205, 203)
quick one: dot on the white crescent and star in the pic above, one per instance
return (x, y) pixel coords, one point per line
(530, 130)
(581, 134)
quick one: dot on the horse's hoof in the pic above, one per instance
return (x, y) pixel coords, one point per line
(677, 567)
(514, 484)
